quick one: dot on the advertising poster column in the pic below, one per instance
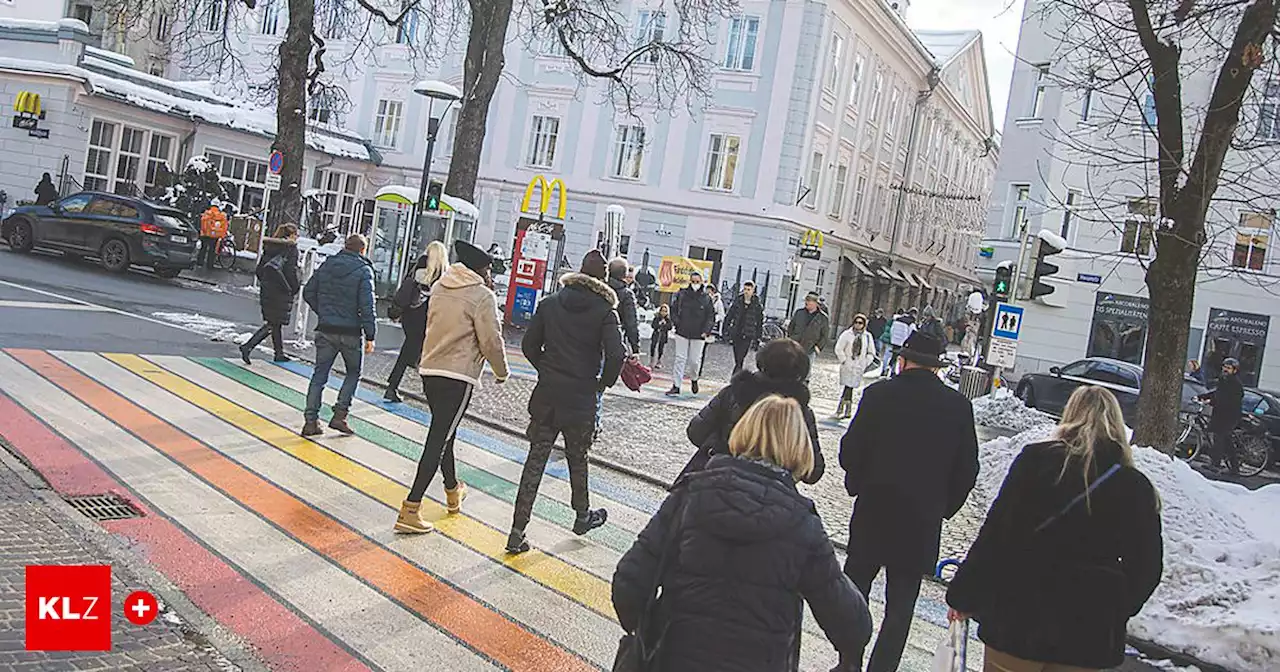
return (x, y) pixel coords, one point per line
(537, 242)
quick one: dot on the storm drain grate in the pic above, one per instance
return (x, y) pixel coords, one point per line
(103, 507)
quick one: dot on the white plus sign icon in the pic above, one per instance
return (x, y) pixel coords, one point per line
(141, 607)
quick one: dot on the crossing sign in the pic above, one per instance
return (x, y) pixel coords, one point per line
(1008, 322)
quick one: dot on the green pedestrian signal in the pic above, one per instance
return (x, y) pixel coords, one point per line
(433, 197)
(1004, 282)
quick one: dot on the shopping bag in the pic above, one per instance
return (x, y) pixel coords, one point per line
(635, 374)
(953, 649)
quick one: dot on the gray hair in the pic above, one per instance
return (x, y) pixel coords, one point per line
(618, 268)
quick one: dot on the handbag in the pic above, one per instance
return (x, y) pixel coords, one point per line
(634, 374)
(637, 650)
(953, 651)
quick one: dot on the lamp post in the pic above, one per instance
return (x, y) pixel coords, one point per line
(433, 90)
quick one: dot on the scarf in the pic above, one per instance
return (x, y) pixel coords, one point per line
(857, 342)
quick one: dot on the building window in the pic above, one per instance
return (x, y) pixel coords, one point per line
(1138, 227)
(244, 179)
(712, 255)
(877, 94)
(97, 164)
(833, 66)
(1068, 210)
(271, 10)
(722, 161)
(159, 154)
(743, 32)
(650, 26)
(891, 119)
(1086, 104)
(407, 29)
(859, 195)
(1251, 240)
(210, 16)
(628, 151)
(337, 198)
(333, 18)
(164, 26)
(815, 180)
(128, 160)
(386, 124)
(1042, 81)
(1269, 113)
(545, 132)
(855, 85)
(84, 12)
(319, 110)
(1021, 199)
(836, 207)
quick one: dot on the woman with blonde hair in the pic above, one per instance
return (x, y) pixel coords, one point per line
(717, 578)
(1070, 550)
(411, 300)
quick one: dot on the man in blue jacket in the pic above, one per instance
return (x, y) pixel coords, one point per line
(341, 294)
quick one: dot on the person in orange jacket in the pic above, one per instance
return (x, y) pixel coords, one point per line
(213, 228)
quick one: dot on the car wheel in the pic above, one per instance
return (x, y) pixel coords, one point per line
(1027, 394)
(21, 238)
(115, 256)
(168, 273)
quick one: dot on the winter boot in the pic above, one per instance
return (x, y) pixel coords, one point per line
(410, 520)
(589, 521)
(453, 498)
(674, 391)
(281, 357)
(339, 422)
(657, 365)
(392, 396)
(693, 386)
(516, 543)
(312, 428)
(839, 410)
(244, 354)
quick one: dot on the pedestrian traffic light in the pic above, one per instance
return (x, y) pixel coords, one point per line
(1004, 282)
(433, 196)
(1047, 245)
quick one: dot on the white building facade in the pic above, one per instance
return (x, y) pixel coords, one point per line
(1048, 179)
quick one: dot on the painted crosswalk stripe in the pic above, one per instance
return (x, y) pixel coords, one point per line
(466, 621)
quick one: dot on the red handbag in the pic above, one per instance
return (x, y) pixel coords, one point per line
(634, 374)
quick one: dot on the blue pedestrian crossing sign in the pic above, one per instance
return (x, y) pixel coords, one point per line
(1008, 323)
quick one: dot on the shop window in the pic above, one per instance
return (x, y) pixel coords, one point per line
(1252, 237)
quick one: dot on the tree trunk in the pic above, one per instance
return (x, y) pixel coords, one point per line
(483, 67)
(291, 115)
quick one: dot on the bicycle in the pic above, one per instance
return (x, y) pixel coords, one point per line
(771, 330)
(1252, 440)
(225, 256)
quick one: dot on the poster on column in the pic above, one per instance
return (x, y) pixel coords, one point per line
(530, 253)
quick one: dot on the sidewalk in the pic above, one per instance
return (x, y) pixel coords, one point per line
(36, 527)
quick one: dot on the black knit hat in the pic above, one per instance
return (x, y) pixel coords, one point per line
(595, 265)
(471, 256)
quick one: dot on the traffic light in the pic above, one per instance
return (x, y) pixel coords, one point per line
(1004, 282)
(433, 196)
(1048, 245)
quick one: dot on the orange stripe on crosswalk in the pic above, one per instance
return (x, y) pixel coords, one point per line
(470, 622)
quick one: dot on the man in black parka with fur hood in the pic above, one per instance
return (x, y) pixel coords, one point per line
(575, 344)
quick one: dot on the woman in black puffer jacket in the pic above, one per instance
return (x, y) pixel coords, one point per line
(743, 550)
(783, 367)
(277, 287)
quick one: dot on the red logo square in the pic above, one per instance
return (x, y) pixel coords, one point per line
(68, 607)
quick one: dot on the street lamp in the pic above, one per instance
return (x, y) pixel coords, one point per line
(433, 90)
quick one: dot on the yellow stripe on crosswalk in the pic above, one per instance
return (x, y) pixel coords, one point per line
(547, 570)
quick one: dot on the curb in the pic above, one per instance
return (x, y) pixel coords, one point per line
(196, 626)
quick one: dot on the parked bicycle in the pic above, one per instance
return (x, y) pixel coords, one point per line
(225, 258)
(1252, 440)
(772, 329)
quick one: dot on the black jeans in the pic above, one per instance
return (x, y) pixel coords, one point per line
(902, 587)
(208, 251)
(740, 350)
(657, 343)
(448, 400)
(414, 322)
(542, 439)
(847, 394)
(275, 331)
(1224, 446)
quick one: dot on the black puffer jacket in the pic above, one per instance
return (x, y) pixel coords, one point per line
(747, 548)
(1065, 594)
(278, 280)
(709, 430)
(627, 313)
(692, 313)
(744, 322)
(571, 333)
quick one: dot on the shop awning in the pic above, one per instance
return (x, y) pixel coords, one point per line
(858, 264)
(884, 273)
(907, 279)
(923, 283)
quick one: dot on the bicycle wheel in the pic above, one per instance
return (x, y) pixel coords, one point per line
(1187, 445)
(1253, 451)
(226, 260)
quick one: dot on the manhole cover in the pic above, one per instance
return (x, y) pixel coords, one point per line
(103, 507)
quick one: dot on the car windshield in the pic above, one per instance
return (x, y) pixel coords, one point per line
(171, 220)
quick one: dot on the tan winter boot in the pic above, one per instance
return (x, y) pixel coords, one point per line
(410, 520)
(453, 498)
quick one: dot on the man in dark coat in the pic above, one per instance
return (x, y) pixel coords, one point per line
(576, 346)
(876, 325)
(1227, 399)
(809, 326)
(910, 458)
(744, 324)
(694, 316)
(626, 304)
(278, 286)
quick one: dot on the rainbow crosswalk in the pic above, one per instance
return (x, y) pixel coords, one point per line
(287, 541)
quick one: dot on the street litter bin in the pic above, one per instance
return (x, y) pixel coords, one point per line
(974, 381)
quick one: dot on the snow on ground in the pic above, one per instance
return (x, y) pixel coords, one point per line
(1219, 600)
(246, 254)
(1003, 410)
(215, 329)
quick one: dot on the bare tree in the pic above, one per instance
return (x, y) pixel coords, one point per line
(1169, 90)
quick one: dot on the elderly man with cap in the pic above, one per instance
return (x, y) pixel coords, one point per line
(463, 332)
(575, 344)
(910, 458)
(810, 326)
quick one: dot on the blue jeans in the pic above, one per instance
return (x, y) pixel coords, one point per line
(328, 347)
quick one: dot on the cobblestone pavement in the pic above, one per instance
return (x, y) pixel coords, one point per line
(32, 531)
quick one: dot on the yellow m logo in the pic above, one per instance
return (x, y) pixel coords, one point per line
(812, 238)
(545, 191)
(27, 103)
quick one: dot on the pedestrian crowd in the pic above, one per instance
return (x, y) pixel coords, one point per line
(718, 578)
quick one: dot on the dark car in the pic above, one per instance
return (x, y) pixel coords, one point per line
(1049, 392)
(1265, 406)
(119, 230)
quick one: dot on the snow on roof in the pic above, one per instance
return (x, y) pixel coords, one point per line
(461, 206)
(407, 193)
(946, 44)
(142, 90)
(109, 56)
(47, 26)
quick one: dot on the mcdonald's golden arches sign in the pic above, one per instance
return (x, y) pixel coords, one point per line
(811, 244)
(544, 201)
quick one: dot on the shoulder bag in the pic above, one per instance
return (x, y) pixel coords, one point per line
(637, 650)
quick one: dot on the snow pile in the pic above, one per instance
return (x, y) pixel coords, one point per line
(1219, 599)
(215, 329)
(1002, 409)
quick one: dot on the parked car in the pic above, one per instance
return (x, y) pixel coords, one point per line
(1265, 406)
(119, 230)
(1049, 392)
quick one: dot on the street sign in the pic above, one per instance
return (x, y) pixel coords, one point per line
(273, 181)
(276, 163)
(1008, 322)
(1003, 352)
(1089, 278)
